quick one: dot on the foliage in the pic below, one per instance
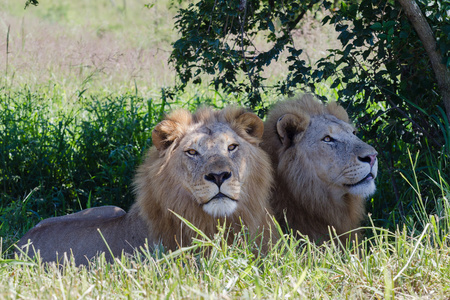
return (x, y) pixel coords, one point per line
(72, 159)
(75, 159)
(381, 73)
(438, 15)
(217, 38)
(31, 2)
(55, 161)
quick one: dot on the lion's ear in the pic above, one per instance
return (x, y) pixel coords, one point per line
(252, 124)
(171, 129)
(289, 125)
(163, 134)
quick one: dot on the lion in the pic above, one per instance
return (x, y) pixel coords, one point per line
(206, 167)
(323, 171)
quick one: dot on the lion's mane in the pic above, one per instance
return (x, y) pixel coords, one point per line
(301, 200)
(159, 194)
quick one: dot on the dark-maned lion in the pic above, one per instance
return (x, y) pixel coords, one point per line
(323, 171)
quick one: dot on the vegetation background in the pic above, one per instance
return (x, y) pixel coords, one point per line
(85, 82)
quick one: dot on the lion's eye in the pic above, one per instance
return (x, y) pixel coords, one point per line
(191, 152)
(232, 147)
(328, 139)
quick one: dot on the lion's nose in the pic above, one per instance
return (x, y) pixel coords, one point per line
(370, 159)
(218, 178)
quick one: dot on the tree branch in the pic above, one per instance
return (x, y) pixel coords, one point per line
(425, 34)
(294, 23)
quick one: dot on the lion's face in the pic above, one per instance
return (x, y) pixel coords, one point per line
(212, 162)
(206, 167)
(203, 167)
(324, 148)
(338, 156)
(209, 155)
(323, 170)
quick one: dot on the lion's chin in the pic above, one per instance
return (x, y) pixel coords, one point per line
(364, 188)
(220, 206)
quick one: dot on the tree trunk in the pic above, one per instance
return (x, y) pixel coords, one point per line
(425, 34)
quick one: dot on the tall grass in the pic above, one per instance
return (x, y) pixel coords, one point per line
(433, 211)
(56, 160)
(390, 264)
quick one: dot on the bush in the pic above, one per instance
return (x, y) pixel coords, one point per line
(72, 159)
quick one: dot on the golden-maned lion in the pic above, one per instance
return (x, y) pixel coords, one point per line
(206, 167)
(323, 171)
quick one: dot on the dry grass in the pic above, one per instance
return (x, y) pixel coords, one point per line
(98, 56)
(75, 59)
(108, 46)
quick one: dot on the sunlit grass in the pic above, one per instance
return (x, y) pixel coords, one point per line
(385, 266)
(411, 262)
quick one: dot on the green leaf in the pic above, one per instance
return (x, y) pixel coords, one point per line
(389, 24)
(271, 26)
(340, 27)
(376, 26)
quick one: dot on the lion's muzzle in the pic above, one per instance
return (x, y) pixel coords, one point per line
(218, 179)
(223, 203)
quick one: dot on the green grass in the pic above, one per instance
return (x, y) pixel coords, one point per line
(70, 158)
(388, 265)
(57, 160)
(80, 96)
